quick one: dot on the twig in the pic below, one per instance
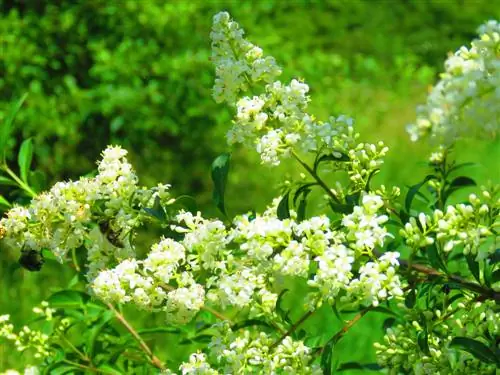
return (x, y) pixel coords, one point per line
(293, 328)
(344, 329)
(485, 292)
(155, 361)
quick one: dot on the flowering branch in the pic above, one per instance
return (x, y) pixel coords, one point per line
(293, 328)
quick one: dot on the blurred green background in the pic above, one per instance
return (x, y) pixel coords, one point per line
(137, 73)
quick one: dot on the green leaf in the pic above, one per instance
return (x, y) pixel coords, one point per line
(358, 366)
(7, 181)
(495, 257)
(410, 299)
(283, 211)
(62, 368)
(336, 156)
(473, 266)
(326, 358)
(435, 258)
(157, 211)
(279, 308)
(341, 208)
(107, 368)
(462, 181)
(7, 126)
(487, 273)
(301, 210)
(423, 341)
(96, 330)
(68, 299)
(4, 202)
(476, 348)
(250, 323)
(38, 180)
(413, 191)
(220, 170)
(188, 202)
(24, 158)
(462, 165)
(388, 323)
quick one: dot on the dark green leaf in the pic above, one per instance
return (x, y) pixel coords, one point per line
(487, 273)
(301, 210)
(434, 257)
(388, 323)
(410, 299)
(220, 170)
(336, 156)
(495, 257)
(413, 191)
(473, 266)
(476, 348)
(341, 208)
(7, 126)
(304, 189)
(250, 323)
(68, 299)
(422, 340)
(187, 202)
(24, 158)
(462, 181)
(326, 358)
(283, 210)
(495, 277)
(279, 308)
(157, 211)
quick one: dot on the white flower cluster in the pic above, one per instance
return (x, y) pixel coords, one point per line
(237, 60)
(468, 225)
(246, 352)
(467, 98)
(64, 218)
(401, 352)
(275, 122)
(240, 263)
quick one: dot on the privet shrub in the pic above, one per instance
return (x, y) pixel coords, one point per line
(138, 73)
(222, 284)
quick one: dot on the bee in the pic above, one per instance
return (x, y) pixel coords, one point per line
(112, 236)
(32, 260)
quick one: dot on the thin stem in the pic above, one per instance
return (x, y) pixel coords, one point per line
(485, 292)
(337, 336)
(21, 184)
(83, 367)
(75, 261)
(75, 349)
(316, 177)
(155, 361)
(293, 328)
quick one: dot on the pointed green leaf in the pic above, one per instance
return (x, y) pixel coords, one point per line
(434, 257)
(220, 170)
(326, 358)
(4, 202)
(413, 191)
(283, 210)
(7, 181)
(24, 158)
(358, 366)
(473, 266)
(476, 348)
(68, 299)
(8, 125)
(462, 181)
